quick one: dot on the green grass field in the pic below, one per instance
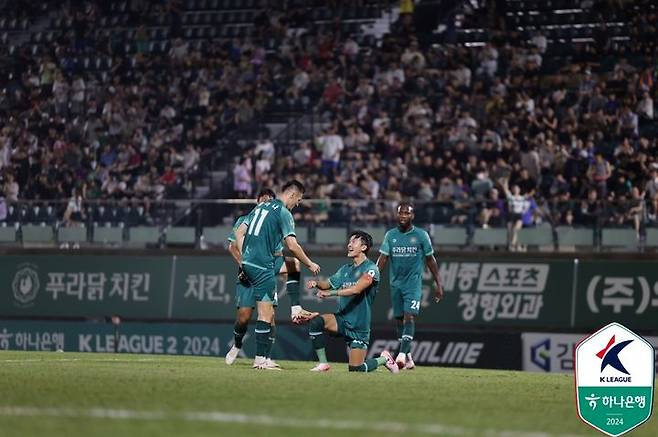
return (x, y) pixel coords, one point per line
(51, 394)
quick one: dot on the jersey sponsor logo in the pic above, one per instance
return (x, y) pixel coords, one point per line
(404, 251)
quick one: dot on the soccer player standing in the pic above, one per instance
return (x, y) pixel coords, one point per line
(288, 267)
(356, 285)
(258, 238)
(409, 249)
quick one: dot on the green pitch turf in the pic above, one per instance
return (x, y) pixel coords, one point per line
(64, 394)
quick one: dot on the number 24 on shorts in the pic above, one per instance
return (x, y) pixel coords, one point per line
(415, 304)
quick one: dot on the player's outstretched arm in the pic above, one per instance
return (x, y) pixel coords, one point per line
(363, 283)
(294, 247)
(431, 263)
(321, 284)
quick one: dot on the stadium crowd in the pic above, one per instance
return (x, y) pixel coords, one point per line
(488, 132)
(459, 125)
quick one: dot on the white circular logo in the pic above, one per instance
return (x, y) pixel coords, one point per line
(25, 285)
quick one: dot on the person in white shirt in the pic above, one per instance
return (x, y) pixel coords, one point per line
(645, 106)
(517, 204)
(332, 146)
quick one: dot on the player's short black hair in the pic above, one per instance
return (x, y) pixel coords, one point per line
(266, 192)
(293, 184)
(365, 237)
(407, 204)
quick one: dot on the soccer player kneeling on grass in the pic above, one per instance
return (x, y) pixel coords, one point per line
(355, 284)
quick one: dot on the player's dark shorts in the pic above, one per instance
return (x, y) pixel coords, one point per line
(406, 301)
(246, 294)
(355, 339)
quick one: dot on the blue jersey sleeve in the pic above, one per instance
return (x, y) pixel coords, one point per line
(426, 243)
(385, 248)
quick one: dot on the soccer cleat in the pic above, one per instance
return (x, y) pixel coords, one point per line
(271, 363)
(400, 360)
(232, 355)
(260, 363)
(321, 367)
(300, 315)
(409, 365)
(390, 362)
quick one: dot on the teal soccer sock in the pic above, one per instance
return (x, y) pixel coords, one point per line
(316, 332)
(408, 331)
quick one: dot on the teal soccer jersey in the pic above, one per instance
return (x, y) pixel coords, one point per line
(268, 224)
(355, 311)
(407, 252)
(236, 225)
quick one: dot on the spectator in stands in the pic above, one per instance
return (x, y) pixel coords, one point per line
(10, 188)
(242, 181)
(74, 215)
(331, 144)
(517, 206)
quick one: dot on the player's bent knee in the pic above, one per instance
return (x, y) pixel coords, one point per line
(316, 324)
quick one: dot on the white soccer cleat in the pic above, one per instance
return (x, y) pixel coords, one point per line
(401, 360)
(321, 367)
(390, 362)
(300, 315)
(271, 363)
(409, 365)
(232, 355)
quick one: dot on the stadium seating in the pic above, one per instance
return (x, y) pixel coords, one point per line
(538, 236)
(72, 235)
(39, 235)
(449, 236)
(569, 238)
(619, 238)
(217, 235)
(490, 237)
(107, 235)
(141, 236)
(181, 235)
(7, 234)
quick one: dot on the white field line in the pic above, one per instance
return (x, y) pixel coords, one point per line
(260, 419)
(68, 360)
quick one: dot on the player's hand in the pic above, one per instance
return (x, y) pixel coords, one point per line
(314, 268)
(438, 293)
(242, 276)
(311, 284)
(323, 294)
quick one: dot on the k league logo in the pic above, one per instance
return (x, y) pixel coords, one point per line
(615, 373)
(25, 285)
